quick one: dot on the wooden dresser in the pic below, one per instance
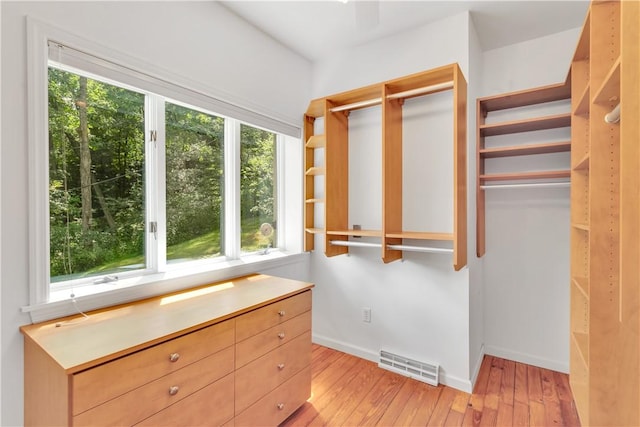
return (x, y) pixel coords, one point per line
(232, 353)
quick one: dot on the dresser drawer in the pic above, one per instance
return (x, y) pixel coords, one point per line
(264, 374)
(210, 406)
(256, 321)
(102, 383)
(275, 407)
(267, 340)
(136, 405)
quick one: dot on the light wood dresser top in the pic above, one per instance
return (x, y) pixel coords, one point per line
(109, 333)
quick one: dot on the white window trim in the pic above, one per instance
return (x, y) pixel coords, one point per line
(47, 304)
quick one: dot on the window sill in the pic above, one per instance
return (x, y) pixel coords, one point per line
(91, 297)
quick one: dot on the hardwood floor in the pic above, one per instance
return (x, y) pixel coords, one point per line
(349, 391)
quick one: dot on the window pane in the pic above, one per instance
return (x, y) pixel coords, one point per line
(96, 177)
(194, 161)
(258, 210)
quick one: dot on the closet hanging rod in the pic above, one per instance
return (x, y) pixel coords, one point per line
(410, 248)
(613, 116)
(421, 90)
(355, 244)
(407, 93)
(353, 106)
(528, 185)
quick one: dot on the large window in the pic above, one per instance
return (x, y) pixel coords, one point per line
(137, 182)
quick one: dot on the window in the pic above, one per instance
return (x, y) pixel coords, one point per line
(195, 183)
(141, 181)
(96, 177)
(258, 189)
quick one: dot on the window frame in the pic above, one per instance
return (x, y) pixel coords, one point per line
(47, 300)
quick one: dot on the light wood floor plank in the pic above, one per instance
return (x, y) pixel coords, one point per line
(349, 391)
(398, 403)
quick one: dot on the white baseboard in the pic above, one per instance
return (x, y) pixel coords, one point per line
(345, 347)
(529, 359)
(373, 356)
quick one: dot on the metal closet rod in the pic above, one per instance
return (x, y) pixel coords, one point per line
(528, 185)
(355, 244)
(412, 92)
(408, 248)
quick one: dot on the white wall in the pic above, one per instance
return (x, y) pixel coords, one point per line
(526, 265)
(201, 41)
(420, 306)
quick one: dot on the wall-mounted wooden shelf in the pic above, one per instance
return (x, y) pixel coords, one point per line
(524, 98)
(526, 125)
(609, 90)
(316, 141)
(525, 175)
(580, 226)
(526, 149)
(583, 164)
(334, 109)
(582, 106)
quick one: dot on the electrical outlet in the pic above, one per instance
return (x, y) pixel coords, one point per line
(366, 314)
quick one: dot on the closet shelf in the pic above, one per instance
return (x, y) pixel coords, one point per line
(525, 175)
(582, 284)
(316, 108)
(610, 88)
(359, 233)
(582, 108)
(582, 345)
(314, 230)
(419, 235)
(526, 125)
(316, 170)
(316, 141)
(556, 92)
(583, 164)
(580, 226)
(525, 150)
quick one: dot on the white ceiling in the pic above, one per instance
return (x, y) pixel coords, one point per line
(314, 29)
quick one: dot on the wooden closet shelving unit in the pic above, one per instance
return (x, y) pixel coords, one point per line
(524, 98)
(605, 232)
(334, 141)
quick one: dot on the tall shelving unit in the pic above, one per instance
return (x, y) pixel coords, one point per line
(604, 355)
(508, 101)
(334, 110)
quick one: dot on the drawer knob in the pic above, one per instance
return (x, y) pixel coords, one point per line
(173, 390)
(281, 335)
(280, 406)
(281, 313)
(174, 357)
(281, 366)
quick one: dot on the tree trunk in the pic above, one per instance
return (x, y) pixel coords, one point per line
(103, 206)
(85, 156)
